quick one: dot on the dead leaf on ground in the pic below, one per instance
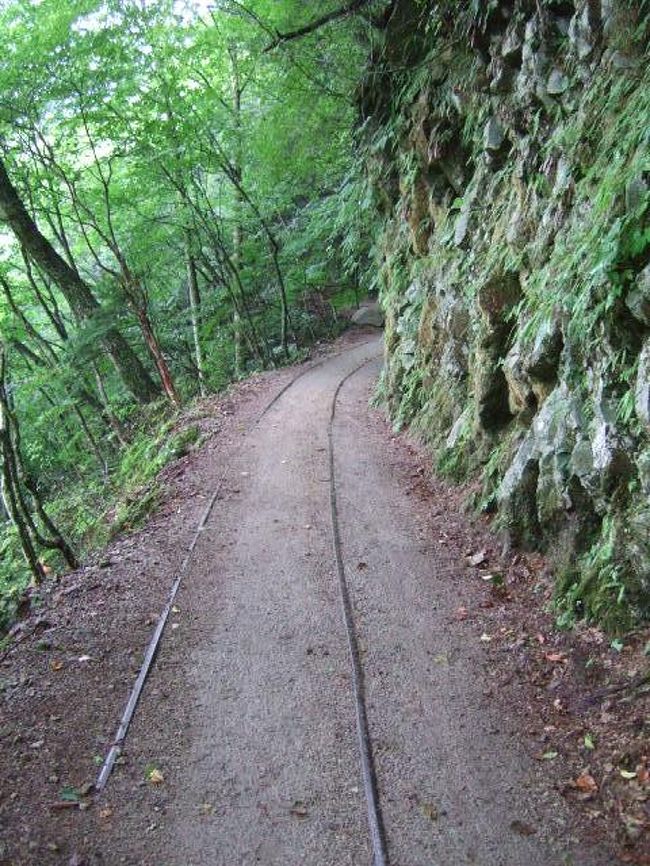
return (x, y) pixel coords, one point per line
(56, 665)
(555, 657)
(106, 812)
(155, 777)
(586, 782)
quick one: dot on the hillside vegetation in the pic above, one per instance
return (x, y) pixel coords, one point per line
(508, 153)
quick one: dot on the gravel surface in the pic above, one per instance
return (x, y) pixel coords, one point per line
(243, 749)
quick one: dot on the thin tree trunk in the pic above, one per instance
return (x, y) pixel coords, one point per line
(194, 298)
(14, 475)
(11, 506)
(156, 353)
(238, 231)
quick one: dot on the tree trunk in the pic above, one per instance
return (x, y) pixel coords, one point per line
(238, 231)
(156, 353)
(75, 290)
(14, 477)
(194, 298)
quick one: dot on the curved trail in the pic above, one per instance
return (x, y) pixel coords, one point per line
(135, 694)
(262, 762)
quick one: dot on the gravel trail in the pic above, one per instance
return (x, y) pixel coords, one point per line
(261, 762)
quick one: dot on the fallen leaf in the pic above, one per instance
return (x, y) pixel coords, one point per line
(461, 613)
(589, 742)
(105, 813)
(586, 782)
(555, 657)
(56, 665)
(155, 777)
(549, 756)
(627, 774)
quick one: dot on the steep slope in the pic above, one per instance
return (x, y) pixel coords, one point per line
(507, 147)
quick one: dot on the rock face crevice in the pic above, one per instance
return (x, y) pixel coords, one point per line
(508, 150)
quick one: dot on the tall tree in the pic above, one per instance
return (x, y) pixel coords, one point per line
(75, 290)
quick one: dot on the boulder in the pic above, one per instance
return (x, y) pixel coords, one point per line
(369, 315)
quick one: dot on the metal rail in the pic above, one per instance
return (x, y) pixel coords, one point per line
(368, 772)
(154, 643)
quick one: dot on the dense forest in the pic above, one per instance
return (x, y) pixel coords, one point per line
(192, 191)
(180, 207)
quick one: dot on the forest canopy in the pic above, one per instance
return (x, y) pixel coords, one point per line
(179, 206)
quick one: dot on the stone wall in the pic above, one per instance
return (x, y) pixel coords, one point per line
(507, 147)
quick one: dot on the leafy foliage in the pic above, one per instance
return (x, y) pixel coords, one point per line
(203, 188)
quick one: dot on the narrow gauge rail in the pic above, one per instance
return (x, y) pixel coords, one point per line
(375, 822)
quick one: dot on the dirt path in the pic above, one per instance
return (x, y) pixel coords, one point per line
(260, 753)
(249, 714)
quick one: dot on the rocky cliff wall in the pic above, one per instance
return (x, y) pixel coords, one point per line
(508, 154)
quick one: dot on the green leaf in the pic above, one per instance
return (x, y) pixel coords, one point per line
(69, 794)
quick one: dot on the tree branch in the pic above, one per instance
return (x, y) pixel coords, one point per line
(344, 11)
